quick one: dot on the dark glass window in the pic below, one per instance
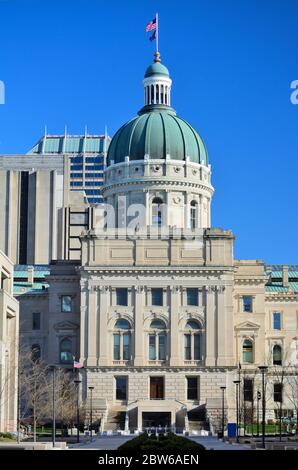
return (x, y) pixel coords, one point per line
(248, 389)
(277, 355)
(94, 159)
(126, 346)
(35, 352)
(152, 348)
(116, 347)
(277, 392)
(247, 303)
(121, 296)
(121, 388)
(193, 215)
(76, 183)
(122, 324)
(93, 175)
(247, 351)
(192, 388)
(197, 347)
(76, 160)
(187, 347)
(192, 296)
(66, 302)
(76, 167)
(157, 296)
(66, 356)
(157, 211)
(76, 175)
(161, 347)
(94, 167)
(276, 321)
(93, 183)
(35, 321)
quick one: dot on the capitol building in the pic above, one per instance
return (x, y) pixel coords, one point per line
(155, 307)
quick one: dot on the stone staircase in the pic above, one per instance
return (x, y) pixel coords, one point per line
(115, 421)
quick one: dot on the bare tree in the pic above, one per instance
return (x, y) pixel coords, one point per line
(292, 388)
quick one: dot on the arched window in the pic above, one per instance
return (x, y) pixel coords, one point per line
(277, 355)
(192, 341)
(247, 351)
(193, 215)
(66, 351)
(122, 341)
(157, 211)
(35, 352)
(157, 341)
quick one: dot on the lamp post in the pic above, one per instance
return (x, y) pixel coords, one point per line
(54, 409)
(77, 382)
(263, 369)
(258, 413)
(91, 391)
(223, 412)
(237, 383)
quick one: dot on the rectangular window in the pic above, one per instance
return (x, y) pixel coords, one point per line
(276, 321)
(66, 302)
(35, 321)
(126, 346)
(121, 388)
(116, 347)
(247, 303)
(197, 348)
(277, 393)
(152, 349)
(157, 296)
(192, 388)
(192, 296)
(121, 296)
(162, 347)
(187, 347)
(248, 390)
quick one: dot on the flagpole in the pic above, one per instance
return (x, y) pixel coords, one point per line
(156, 32)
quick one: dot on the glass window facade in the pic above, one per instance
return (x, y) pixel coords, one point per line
(247, 352)
(247, 303)
(187, 347)
(36, 321)
(66, 304)
(121, 296)
(276, 321)
(192, 388)
(277, 392)
(157, 296)
(66, 351)
(192, 296)
(121, 388)
(248, 389)
(277, 355)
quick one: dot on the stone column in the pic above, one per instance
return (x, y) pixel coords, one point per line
(221, 328)
(174, 329)
(210, 327)
(92, 327)
(139, 330)
(103, 326)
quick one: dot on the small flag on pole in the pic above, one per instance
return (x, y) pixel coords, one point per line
(153, 36)
(151, 25)
(76, 364)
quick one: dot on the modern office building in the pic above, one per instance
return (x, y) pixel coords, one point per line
(157, 309)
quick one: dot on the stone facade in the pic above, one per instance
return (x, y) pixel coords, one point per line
(9, 340)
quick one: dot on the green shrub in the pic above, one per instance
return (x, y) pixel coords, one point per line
(169, 442)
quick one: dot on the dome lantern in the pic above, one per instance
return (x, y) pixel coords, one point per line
(157, 84)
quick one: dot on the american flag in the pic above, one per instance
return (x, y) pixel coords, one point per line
(77, 365)
(151, 25)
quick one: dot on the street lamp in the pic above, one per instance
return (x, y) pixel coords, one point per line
(54, 410)
(237, 383)
(77, 382)
(223, 412)
(91, 390)
(258, 413)
(263, 369)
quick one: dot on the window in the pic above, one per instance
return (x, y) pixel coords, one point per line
(35, 352)
(193, 215)
(35, 321)
(276, 321)
(277, 355)
(157, 296)
(122, 341)
(66, 351)
(247, 303)
(192, 296)
(247, 351)
(192, 341)
(248, 389)
(277, 392)
(192, 388)
(66, 302)
(157, 341)
(157, 211)
(121, 296)
(121, 388)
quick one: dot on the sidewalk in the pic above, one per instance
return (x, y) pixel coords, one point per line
(212, 443)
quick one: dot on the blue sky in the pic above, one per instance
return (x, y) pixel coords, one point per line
(81, 62)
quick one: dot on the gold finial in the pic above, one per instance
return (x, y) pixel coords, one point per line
(157, 57)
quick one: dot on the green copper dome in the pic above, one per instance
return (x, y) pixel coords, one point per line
(156, 69)
(157, 132)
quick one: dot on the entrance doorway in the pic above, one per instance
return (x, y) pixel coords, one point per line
(153, 420)
(156, 388)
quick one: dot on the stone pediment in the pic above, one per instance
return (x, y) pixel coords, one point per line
(66, 325)
(247, 325)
